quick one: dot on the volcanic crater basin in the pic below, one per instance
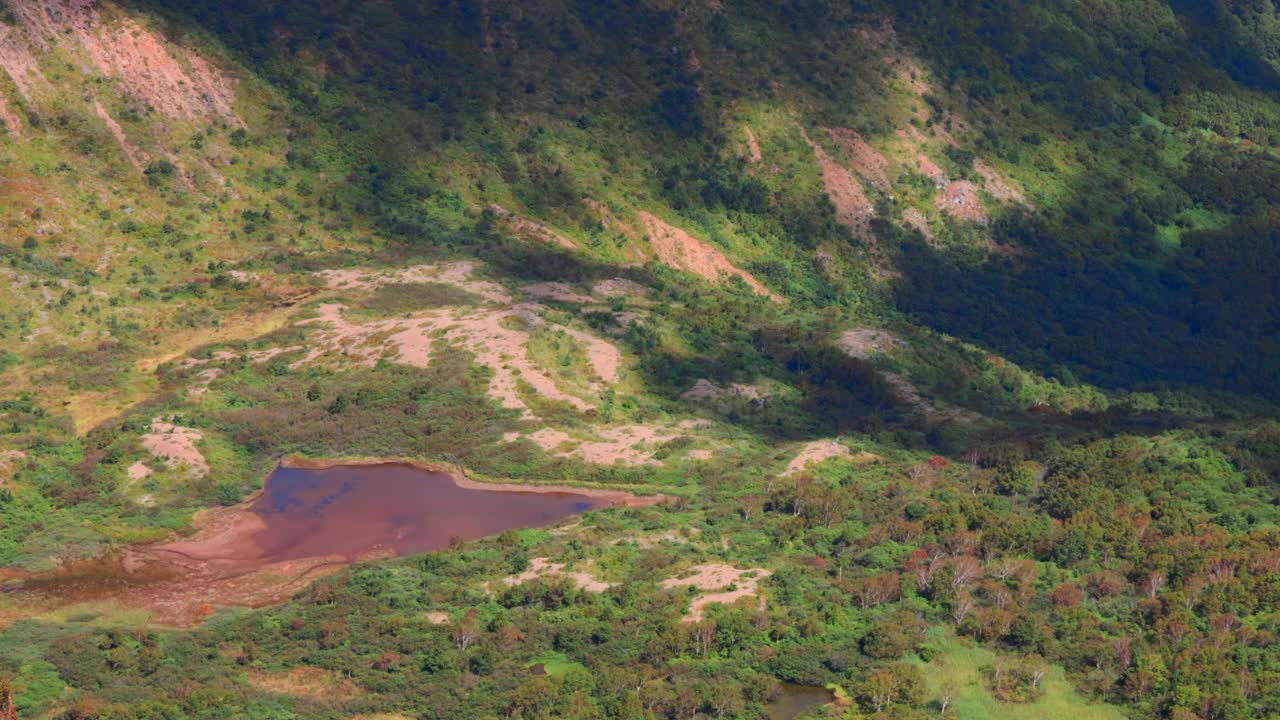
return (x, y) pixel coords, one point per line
(311, 519)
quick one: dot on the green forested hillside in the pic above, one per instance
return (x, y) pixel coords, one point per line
(947, 331)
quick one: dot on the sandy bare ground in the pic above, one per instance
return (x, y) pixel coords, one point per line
(138, 471)
(619, 287)
(682, 251)
(914, 218)
(175, 81)
(962, 200)
(869, 343)
(853, 209)
(175, 445)
(558, 291)
(713, 577)
(866, 160)
(753, 145)
(543, 567)
(485, 333)
(813, 453)
(626, 445)
(705, 389)
(459, 274)
(530, 229)
(866, 343)
(930, 169)
(1000, 187)
(9, 461)
(609, 219)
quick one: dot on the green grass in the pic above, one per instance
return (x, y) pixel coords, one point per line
(959, 664)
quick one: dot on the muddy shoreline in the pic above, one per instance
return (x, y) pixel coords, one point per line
(613, 498)
(221, 561)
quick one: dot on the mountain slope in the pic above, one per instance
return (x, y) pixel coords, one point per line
(947, 329)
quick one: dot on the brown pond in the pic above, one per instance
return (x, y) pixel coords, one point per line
(348, 510)
(306, 523)
(795, 700)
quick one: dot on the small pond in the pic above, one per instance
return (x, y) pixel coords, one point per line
(795, 700)
(349, 509)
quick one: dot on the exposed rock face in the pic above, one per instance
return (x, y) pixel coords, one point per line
(680, 250)
(172, 80)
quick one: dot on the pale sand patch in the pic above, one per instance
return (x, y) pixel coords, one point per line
(853, 209)
(815, 452)
(914, 218)
(136, 157)
(618, 287)
(608, 219)
(628, 445)
(604, 356)
(438, 618)
(961, 199)
(715, 577)
(705, 389)
(9, 460)
(138, 471)
(867, 161)
(175, 445)
(680, 250)
(482, 332)
(543, 567)
(865, 343)
(21, 65)
(12, 124)
(930, 169)
(558, 291)
(701, 454)
(203, 379)
(996, 184)
(530, 229)
(458, 274)
(753, 146)
(138, 59)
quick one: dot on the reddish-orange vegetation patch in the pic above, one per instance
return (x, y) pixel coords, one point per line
(680, 250)
(961, 199)
(853, 209)
(732, 583)
(866, 160)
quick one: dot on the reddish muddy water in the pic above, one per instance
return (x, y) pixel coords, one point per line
(309, 521)
(349, 510)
